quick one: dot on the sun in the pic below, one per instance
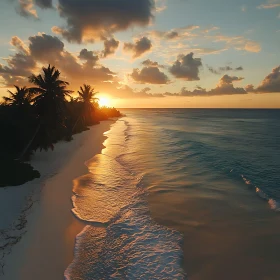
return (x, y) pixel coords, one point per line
(104, 102)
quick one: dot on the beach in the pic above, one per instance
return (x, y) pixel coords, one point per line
(182, 188)
(177, 201)
(38, 230)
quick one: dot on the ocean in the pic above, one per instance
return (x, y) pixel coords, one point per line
(182, 194)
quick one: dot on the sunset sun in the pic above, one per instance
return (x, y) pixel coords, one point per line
(104, 102)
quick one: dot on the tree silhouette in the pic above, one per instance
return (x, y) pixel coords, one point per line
(49, 103)
(50, 93)
(20, 104)
(22, 97)
(38, 117)
(87, 97)
(19, 117)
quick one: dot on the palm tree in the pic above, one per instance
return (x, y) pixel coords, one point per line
(49, 103)
(19, 105)
(87, 97)
(51, 92)
(22, 97)
(19, 116)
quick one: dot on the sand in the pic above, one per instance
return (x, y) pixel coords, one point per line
(38, 229)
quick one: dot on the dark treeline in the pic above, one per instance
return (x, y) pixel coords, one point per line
(38, 117)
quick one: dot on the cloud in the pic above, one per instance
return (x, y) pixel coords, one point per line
(270, 4)
(252, 46)
(226, 79)
(149, 75)
(213, 70)
(181, 47)
(194, 32)
(19, 44)
(44, 4)
(173, 34)
(83, 68)
(110, 46)
(186, 67)
(160, 5)
(167, 35)
(228, 68)
(204, 51)
(237, 42)
(124, 91)
(90, 57)
(140, 47)
(271, 83)
(45, 47)
(149, 63)
(54, 53)
(240, 68)
(250, 88)
(88, 20)
(210, 29)
(224, 69)
(18, 66)
(224, 87)
(26, 9)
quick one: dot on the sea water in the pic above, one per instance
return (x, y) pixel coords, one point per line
(176, 189)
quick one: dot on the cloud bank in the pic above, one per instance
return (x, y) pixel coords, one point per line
(45, 49)
(97, 19)
(224, 87)
(271, 83)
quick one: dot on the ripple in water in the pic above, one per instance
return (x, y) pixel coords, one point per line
(127, 244)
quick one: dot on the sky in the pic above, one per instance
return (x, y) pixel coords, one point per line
(148, 53)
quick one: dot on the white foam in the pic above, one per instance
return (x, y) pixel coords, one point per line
(129, 244)
(274, 205)
(132, 247)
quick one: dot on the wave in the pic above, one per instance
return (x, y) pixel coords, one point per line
(273, 203)
(131, 247)
(121, 240)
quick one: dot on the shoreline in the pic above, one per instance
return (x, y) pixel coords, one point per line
(41, 242)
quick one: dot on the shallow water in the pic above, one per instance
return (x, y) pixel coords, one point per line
(199, 187)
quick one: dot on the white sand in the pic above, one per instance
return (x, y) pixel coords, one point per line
(46, 247)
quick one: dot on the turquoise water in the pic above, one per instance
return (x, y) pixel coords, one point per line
(182, 192)
(237, 144)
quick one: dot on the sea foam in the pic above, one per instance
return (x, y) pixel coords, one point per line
(121, 240)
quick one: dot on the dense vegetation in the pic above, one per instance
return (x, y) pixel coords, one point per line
(38, 117)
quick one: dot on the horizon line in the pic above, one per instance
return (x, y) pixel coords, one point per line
(204, 108)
